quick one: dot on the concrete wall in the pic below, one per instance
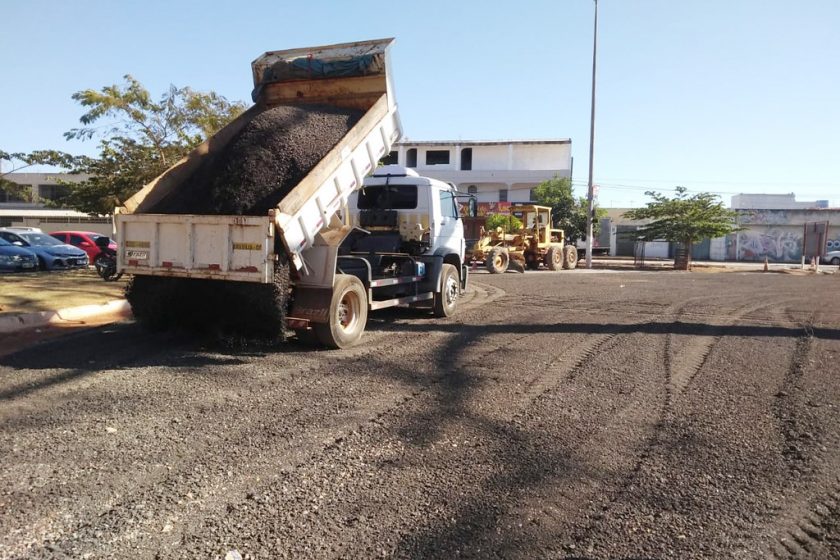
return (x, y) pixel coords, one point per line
(778, 235)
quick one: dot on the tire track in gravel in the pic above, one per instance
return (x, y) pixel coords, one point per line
(508, 343)
(679, 368)
(809, 524)
(128, 485)
(353, 355)
(686, 353)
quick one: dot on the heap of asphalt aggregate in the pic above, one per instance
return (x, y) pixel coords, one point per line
(254, 172)
(263, 163)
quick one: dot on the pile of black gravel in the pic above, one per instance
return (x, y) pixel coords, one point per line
(265, 161)
(254, 172)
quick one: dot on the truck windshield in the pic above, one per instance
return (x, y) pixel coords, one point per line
(388, 197)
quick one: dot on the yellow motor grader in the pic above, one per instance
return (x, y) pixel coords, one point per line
(534, 244)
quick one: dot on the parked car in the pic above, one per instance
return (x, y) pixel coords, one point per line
(84, 240)
(16, 259)
(831, 257)
(52, 254)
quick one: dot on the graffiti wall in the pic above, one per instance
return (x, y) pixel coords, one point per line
(783, 244)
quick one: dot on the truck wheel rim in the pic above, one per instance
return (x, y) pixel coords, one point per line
(348, 311)
(451, 291)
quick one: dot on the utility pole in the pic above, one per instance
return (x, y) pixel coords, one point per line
(590, 194)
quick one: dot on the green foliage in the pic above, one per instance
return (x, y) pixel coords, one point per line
(684, 219)
(139, 139)
(506, 221)
(567, 212)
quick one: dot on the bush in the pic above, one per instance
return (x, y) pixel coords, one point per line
(506, 221)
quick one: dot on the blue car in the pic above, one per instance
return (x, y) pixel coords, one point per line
(52, 254)
(16, 259)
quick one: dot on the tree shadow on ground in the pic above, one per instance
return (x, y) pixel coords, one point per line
(525, 462)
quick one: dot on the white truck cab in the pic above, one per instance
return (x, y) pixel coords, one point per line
(427, 210)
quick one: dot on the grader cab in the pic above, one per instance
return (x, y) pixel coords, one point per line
(536, 243)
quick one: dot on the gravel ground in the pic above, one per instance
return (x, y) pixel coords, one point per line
(557, 415)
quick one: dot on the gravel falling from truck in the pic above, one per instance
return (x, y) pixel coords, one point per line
(255, 171)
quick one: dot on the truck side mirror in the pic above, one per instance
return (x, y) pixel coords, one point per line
(472, 207)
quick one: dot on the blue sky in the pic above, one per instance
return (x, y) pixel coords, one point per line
(725, 96)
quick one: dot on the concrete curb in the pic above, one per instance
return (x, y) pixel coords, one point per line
(14, 322)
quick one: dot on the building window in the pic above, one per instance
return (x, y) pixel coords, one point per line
(466, 159)
(16, 193)
(52, 192)
(411, 157)
(472, 189)
(503, 195)
(437, 157)
(392, 158)
(533, 195)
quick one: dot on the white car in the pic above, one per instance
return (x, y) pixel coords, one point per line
(831, 257)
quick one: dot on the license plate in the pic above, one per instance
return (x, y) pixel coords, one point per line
(137, 254)
(28, 265)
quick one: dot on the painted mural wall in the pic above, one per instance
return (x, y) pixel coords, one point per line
(778, 234)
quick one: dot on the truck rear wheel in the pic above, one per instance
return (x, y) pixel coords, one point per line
(347, 313)
(497, 260)
(554, 258)
(448, 294)
(570, 256)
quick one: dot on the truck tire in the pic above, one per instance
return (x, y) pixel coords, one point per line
(554, 258)
(347, 313)
(497, 260)
(447, 296)
(570, 256)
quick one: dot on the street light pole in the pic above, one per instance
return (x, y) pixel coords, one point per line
(590, 194)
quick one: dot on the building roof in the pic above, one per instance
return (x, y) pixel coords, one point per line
(41, 213)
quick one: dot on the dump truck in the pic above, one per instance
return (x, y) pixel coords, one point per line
(345, 239)
(535, 243)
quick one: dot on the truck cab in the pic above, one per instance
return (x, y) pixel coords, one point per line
(401, 243)
(422, 213)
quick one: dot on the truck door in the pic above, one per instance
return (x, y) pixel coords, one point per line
(448, 230)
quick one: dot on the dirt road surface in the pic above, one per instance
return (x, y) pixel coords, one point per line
(558, 415)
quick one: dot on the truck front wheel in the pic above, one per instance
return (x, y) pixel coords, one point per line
(448, 294)
(347, 313)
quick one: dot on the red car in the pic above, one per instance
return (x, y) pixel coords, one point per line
(84, 240)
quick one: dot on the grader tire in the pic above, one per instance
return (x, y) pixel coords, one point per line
(554, 258)
(497, 260)
(570, 257)
(347, 314)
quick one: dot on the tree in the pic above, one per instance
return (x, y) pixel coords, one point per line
(567, 212)
(684, 219)
(507, 221)
(139, 139)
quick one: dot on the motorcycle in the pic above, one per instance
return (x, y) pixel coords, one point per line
(106, 261)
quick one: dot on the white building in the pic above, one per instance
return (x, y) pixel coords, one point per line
(493, 171)
(31, 210)
(773, 202)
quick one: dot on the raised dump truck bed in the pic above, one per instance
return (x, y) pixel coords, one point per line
(245, 248)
